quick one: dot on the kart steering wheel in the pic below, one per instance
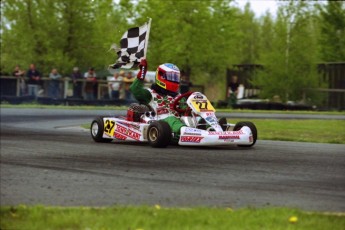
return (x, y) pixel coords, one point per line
(178, 99)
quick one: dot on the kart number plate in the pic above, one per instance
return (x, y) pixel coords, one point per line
(109, 127)
(203, 106)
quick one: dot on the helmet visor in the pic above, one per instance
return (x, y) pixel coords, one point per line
(172, 76)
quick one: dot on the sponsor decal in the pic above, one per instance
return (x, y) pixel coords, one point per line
(192, 139)
(129, 125)
(211, 119)
(120, 136)
(127, 132)
(198, 97)
(229, 137)
(226, 133)
(191, 131)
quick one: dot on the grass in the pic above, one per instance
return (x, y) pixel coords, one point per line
(156, 217)
(319, 131)
(282, 111)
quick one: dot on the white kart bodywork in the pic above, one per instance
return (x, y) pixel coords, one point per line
(201, 110)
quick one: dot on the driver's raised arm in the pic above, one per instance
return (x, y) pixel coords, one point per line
(137, 87)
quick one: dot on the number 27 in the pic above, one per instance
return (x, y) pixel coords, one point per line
(109, 125)
(202, 105)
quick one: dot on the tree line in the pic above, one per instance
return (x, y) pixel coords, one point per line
(203, 38)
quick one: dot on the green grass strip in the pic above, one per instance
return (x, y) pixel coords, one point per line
(318, 131)
(157, 217)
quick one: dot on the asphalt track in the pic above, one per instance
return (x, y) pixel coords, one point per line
(46, 159)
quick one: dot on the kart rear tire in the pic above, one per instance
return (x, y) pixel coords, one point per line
(223, 123)
(159, 134)
(252, 127)
(97, 129)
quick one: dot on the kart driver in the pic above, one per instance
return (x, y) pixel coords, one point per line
(160, 97)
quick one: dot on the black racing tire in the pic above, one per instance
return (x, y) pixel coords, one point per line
(252, 127)
(159, 134)
(97, 129)
(223, 123)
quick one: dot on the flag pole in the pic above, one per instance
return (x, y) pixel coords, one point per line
(147, 36)
(146, 45)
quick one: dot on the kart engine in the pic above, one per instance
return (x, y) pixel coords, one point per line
(135, 111)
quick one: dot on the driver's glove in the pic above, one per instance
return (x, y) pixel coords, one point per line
(142, 69)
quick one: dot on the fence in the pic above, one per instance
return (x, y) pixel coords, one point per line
(332, 73)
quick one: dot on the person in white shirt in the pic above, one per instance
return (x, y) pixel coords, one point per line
(54, 84)
(115, 85)
(91, 81)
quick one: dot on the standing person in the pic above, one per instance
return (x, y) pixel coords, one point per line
(90, 77)
(54, 84)
(77, 84)
(128, 80)
(115, 85)
(20, 75)
(34, 80)
(232, 91)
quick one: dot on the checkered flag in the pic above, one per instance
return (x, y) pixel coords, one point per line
(133, 47)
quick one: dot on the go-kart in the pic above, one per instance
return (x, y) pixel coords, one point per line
(202, 126)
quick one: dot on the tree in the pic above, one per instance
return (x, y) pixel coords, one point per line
(266, 35)
(59, 33)
(290, 62)
(332, 20)
(248, 37)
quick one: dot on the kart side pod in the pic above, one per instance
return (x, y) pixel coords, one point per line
(242, 137)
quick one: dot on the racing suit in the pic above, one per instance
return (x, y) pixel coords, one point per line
(160, 102)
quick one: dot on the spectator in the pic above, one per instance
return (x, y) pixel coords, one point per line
(77, 83)
(34, 80)
(90, 77)
(233, 91)
(115, 85)
(128, 80)
(20, 75)
(54, 84)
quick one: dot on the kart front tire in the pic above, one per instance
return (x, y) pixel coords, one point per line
(97, 129)
(159, 134)
(252, 127)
